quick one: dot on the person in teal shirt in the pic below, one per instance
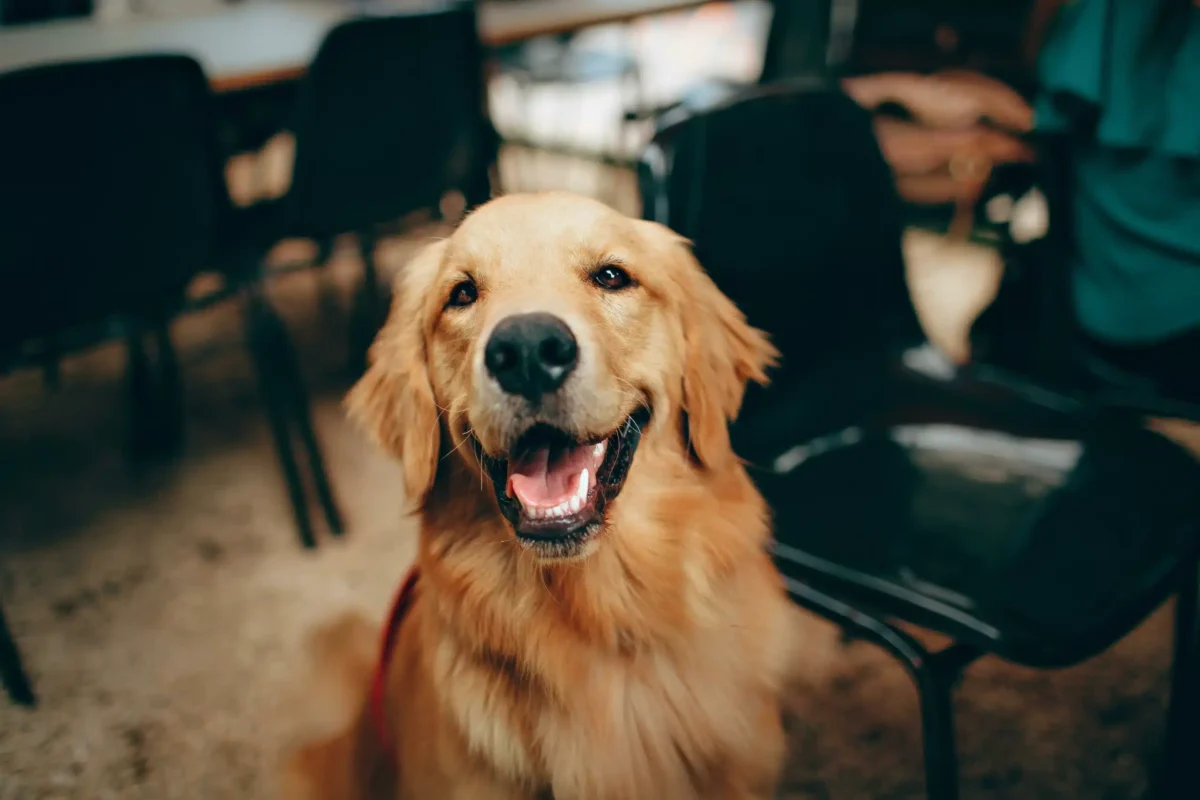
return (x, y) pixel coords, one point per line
(1121, 80)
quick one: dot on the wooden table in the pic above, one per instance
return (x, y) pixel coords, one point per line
(256, 43)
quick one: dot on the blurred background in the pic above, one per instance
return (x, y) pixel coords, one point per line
(973, 248)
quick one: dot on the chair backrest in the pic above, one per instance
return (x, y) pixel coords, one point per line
(798, 40)
(792, 210)
(391, 116)
(110, 190)
(15, 12)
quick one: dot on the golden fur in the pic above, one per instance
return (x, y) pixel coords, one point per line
(651, 666)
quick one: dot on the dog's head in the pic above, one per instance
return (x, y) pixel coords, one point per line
(542, 344)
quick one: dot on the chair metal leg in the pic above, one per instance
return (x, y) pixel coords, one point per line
(1183, 725)
(374, 297)
(141, 396)
(316, 466)
(12, 671)
(295, 394)
(934, 674)
(170, 406)
(370, 307)
(264, 334)
(155, 393)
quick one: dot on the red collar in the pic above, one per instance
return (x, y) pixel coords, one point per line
(376, 706)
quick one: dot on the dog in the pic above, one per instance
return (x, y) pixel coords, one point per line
(593, 615)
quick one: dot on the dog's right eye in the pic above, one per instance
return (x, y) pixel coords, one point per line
(611, 277)
(463, 294)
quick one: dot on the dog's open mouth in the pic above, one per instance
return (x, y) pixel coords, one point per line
(554, 488)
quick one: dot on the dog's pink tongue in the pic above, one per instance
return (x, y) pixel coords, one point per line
(543, 478)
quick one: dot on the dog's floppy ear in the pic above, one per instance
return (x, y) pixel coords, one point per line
(721, 353)
(394, 400)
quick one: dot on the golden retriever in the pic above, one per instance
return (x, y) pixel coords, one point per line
(596, 616)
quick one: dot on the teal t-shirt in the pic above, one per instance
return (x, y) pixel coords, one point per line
(1134, 112)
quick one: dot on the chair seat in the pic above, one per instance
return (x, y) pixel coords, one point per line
(1038, 533)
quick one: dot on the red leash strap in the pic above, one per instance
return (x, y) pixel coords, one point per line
(377, 707)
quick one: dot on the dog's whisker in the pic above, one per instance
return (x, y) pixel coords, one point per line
(455, 449)
(633, 423)
(628, 384)
(442, 412)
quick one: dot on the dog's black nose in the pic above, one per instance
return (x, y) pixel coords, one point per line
(531, 354)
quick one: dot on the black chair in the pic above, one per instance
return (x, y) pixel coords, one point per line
(112, 201)
(389, 119)
(1020, 521)
(108, 208)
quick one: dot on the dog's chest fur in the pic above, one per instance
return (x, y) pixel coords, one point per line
(591, 724)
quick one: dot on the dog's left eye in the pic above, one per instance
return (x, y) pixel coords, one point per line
(611, 278)
(463, 294)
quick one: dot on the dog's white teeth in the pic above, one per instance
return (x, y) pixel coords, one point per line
(568, 507)
(599, 449)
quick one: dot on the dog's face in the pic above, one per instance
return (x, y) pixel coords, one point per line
(541, 344)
